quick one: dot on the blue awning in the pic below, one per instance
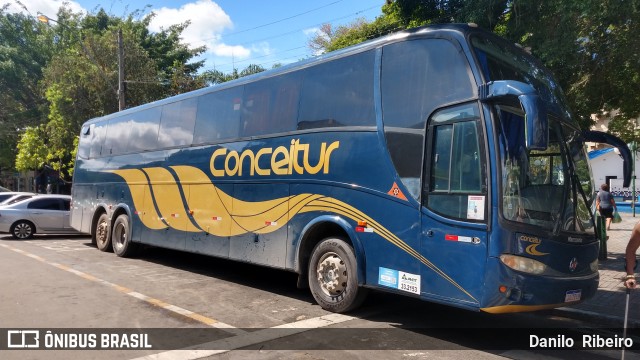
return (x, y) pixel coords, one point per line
(595, 153)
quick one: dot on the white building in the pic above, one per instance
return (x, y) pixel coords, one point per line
(606, 165)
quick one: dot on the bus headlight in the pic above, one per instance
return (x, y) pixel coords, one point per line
(523, 264)
(594, 265)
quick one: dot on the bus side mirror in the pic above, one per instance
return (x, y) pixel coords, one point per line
(536, 121)
(625, 152)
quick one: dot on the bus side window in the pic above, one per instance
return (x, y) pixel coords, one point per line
(97, 135)
(218, 116)
(271, 105)
(456, 161)
(144, 129)
(116, 139)
(338, 93)
(177, 123)
(84, 145)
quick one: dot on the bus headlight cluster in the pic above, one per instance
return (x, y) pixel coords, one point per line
(594, 265)
(523, 264)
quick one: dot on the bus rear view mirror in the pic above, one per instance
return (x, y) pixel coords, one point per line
(537, 124)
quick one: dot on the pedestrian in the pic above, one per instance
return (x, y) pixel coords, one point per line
(630, 257)
(605, 204)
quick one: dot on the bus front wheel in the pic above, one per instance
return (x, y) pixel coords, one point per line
(103, 233)
(333, 276)
(121, 237)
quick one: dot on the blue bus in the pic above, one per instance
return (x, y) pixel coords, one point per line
(440, 162)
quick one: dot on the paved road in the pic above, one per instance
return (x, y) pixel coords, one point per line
(227, 310)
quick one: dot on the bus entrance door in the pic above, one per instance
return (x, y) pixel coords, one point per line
(456, 257)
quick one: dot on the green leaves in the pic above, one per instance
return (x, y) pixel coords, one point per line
(591, 46)
(55, 76)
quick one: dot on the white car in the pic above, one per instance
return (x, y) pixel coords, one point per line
(42, 214)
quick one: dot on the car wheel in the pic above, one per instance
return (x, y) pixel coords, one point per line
(22, 230)
(121, 238)
(103, 233)
(333, 276)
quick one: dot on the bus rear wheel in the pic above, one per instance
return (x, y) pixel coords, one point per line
(333, 276)
(103, 233)
(121, 237)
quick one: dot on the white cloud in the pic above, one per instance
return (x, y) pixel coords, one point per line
(311, 31)
(207, 21)
(46, 7)
(236, 51)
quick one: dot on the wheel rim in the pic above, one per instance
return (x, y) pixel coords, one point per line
(332, 274)
(101, 233)
(119, 235)
(22, 230)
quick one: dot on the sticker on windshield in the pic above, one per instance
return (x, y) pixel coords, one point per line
(475, 207)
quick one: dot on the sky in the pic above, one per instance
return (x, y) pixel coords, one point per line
(237, 33)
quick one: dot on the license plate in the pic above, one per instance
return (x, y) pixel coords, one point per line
(572, 295)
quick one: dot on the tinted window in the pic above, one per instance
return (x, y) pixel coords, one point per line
(84, 145)
(45, 204)
(417, 78)
(117, 136)
(338, 93)
(66, 204)
(177, 123)
(271, 105)
(420, 76)
(97, 134)
(218, 116)
(144, 129)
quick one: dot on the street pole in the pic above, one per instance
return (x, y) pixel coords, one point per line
(633, 200)
(121, 84)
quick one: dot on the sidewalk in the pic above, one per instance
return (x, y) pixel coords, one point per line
(608, 305)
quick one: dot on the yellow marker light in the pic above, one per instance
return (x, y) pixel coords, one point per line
(362, 223)
(502, 289)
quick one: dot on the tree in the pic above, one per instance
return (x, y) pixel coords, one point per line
(213, 77)
(25, 48)
(157, 65)
(591, 46)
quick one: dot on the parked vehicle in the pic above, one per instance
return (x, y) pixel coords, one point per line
(42, 214)
(8, 198)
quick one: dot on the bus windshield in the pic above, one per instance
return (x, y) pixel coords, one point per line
(551, 188)
(543, 188)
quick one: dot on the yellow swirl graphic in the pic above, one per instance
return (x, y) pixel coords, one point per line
(531, 249)
(213, 211)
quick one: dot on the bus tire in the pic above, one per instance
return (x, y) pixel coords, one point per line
(103, 233)
(121, 237)
(333, 276)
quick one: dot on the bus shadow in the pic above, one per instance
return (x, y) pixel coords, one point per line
(246, 274)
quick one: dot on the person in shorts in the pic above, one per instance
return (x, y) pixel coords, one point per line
(605, 204)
